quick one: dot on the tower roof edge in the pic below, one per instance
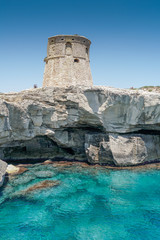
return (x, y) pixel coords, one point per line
(75, 36)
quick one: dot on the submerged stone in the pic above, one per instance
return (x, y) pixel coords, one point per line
(39, 186)
(44, 174)
(95, 203)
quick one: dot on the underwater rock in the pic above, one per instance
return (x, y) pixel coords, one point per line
(142, 167)
(3, 167)
(44, 174)
(40, 185)
(63, 163)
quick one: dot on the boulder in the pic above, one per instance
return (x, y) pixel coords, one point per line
(122, 150)
(15, 170)
(3, 167)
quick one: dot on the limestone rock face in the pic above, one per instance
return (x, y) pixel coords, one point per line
(97, 149)
(122, 150)
(3, 167)
(96, 124)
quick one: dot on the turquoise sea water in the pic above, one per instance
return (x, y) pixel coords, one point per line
(88, 204)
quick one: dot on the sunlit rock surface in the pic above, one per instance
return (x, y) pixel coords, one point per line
(122, 150)
(56, 122)
(15, 170)
(3, 167)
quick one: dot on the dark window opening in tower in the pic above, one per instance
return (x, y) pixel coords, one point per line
(68, 45)
(76, 60)
(68, 48)
(87, 50)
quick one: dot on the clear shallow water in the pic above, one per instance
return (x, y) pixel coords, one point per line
(89, 204)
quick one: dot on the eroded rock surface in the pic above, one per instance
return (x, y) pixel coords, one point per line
(97, 124)
(122, 150)
(3, 167)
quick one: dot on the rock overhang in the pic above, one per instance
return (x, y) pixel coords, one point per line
(62, 117)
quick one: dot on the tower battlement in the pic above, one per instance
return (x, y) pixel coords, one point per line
(67, 62)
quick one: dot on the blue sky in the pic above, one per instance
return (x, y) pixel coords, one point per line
(125, 37)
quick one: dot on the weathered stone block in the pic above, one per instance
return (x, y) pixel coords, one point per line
(122, 150)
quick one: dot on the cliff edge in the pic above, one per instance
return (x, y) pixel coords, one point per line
(96, 124)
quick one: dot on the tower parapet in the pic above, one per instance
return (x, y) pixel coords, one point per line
(67, 62)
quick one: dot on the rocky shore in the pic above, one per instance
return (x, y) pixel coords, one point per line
(98, 125)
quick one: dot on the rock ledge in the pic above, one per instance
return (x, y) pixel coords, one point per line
(96, 124)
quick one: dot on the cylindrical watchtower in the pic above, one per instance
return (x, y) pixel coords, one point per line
(67, 62)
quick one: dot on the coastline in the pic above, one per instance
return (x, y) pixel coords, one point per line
(62, 163)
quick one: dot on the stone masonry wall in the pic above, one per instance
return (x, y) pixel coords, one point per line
(67, 62)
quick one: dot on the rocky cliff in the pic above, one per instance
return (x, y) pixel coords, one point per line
(98, 124)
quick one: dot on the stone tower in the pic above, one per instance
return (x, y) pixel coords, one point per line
(67, 62)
